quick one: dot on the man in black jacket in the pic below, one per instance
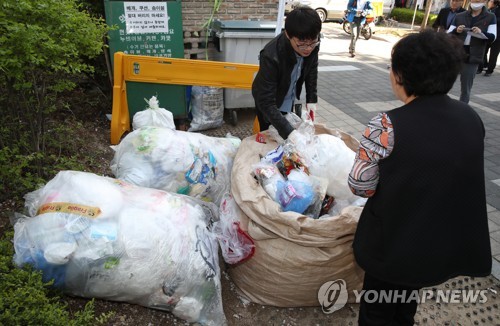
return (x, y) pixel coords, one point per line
(446, 15)
(286, 62)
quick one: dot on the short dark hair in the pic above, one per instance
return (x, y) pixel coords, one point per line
(427, 63)
(303, 23)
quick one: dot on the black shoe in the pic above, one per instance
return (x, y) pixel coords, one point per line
(479, 71)
(487, 74)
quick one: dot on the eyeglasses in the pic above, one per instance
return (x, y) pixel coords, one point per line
(307, 46)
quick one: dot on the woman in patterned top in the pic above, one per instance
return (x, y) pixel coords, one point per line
(421, 165)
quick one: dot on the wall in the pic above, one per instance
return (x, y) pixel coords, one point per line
(195, 13)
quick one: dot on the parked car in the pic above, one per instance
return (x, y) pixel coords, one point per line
(331, 9)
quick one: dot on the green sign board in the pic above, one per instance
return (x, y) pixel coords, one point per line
(146, 28)
(152, 28)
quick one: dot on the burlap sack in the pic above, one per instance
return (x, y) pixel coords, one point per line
(294, 254)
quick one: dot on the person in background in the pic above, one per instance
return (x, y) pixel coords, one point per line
(446, 15)
(475, 27)
(286, 63)
(424, 187)
(494, 48)
(356, 13)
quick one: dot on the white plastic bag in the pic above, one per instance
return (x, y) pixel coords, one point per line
(153, 116)
(207, 107)
(333, 160)
(99, 237)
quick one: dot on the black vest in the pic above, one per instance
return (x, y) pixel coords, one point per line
(427, 221)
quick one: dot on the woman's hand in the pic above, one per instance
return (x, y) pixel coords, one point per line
(460, 28)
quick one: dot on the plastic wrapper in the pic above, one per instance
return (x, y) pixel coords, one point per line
(99, 237)
(176, 161)
(207, 108)
(237, 246)
(153, 116)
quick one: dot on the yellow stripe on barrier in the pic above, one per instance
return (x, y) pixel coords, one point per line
(146, 69)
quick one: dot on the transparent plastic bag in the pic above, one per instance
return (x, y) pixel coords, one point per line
(146, 247)
(306, 128)
(177, 161)
(319, 189)
(268, 176)
(207, 107)
(237, 246)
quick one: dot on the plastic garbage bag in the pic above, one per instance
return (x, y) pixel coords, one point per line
(237, 246)
(153, 116)
(207, 107)
(105, 238)
(176, 161)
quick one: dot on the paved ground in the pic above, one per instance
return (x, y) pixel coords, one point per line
(353, 90)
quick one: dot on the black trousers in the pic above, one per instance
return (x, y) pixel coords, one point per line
(374, 312)
(490, 62)
(494, 51)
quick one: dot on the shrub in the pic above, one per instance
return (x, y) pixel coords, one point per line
(405, 15)
(45, 48)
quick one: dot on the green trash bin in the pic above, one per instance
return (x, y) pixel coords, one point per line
(152, 28)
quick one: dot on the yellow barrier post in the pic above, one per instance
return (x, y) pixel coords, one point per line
(120, 120)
